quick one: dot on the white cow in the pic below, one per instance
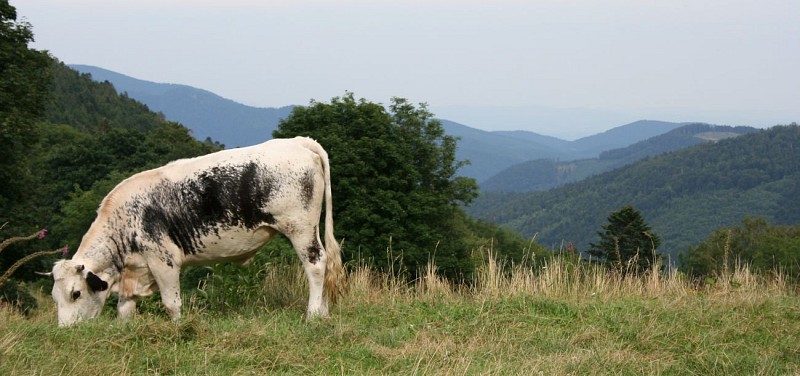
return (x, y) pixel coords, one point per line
(219, 207)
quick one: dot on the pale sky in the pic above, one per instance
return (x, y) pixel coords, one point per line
(560, 68)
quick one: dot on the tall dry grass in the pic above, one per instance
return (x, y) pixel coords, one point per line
(564, 276)
(559, 316)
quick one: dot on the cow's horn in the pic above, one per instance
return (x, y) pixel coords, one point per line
(46, 274)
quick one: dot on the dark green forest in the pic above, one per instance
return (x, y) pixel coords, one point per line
(685, 195)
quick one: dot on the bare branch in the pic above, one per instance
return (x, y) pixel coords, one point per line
(26, 259)
(9, 241)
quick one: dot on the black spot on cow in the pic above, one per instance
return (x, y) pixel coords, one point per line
(135, 245)
(166, 258)
(250, 196)
(307, 187)
(124, 243)
(175, 223)
(95, 283)
(116, 259)
(219, 198)
(314, 251)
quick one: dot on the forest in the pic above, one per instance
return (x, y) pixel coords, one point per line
(685, 195)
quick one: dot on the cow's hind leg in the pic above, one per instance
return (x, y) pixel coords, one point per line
(309, 248)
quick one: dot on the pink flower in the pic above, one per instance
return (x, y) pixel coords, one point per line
(65, 251)
(42, 233)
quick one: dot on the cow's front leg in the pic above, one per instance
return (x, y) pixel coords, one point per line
(168, 280)
(126, 306)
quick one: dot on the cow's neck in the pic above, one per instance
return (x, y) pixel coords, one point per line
(98, 256)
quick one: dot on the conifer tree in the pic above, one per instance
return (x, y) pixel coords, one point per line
(626, 242)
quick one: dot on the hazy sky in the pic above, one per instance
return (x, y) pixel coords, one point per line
(562, 68)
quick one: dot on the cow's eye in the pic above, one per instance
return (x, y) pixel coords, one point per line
(76, 295)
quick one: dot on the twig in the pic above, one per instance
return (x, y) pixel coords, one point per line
(15, 239)
(25, 259)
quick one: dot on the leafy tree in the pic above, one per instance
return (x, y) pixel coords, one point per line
(79, 210)
(763, 246)
(24, 76)
(393, 173)
(626, 242)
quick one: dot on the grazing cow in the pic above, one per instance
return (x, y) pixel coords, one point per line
(219, 207)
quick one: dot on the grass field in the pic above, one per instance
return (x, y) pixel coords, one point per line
(550, 319)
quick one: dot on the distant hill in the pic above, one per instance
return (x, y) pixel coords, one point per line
(489, 152)
(234, 124)
(684, 195)
(205, 113)
(493, 152)
(542, 174)
(623, 136)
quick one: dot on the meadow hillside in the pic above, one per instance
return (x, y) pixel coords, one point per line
(555, 318)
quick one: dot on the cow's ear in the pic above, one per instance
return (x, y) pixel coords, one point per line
(95, 283)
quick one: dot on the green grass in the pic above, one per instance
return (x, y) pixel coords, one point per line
(550, 319)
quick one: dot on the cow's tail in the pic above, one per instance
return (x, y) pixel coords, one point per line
(334, 270)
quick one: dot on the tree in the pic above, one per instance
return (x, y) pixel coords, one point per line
(394, 181)
(24, 76)
(627, 243)
(764, 247)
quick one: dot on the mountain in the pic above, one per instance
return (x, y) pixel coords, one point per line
(542, 174)
(489, 152)
(234, 124)
(684, 195)
(205, 113)
(623, 136)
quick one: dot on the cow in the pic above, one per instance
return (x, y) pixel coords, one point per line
(221, 207)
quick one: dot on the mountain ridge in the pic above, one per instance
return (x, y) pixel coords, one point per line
(685, 194)
(542, 174)
(208, 115)
(233, 124)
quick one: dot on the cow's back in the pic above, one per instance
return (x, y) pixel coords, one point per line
(281, 154)
(218, 207)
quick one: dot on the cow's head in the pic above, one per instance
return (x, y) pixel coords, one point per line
(78, 293)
